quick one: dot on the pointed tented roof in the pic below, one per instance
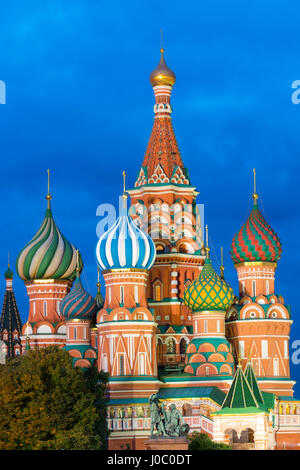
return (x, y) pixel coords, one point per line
(162, 162)
(252, 381)
(10, 320)
(240, 394)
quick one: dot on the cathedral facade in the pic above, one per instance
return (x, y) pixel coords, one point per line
(169, 323)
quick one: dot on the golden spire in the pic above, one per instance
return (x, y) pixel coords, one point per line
(207, 249)
(255, 195)
(98, 283)
(77, 262)
(222, 265)
(8, 264)
(161, 41)
(48, 197)
(124, 195)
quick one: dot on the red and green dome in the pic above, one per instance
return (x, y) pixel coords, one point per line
(256, 240)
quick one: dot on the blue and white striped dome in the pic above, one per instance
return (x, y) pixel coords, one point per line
(125, 245)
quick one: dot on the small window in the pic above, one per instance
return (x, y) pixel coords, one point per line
(158, 292)
(121, 294)
(121, 365)
(45, 308)
(276, 367)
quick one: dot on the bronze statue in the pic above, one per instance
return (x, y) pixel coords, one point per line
(167, 423)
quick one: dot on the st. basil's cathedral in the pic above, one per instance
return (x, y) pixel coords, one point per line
(169, 323)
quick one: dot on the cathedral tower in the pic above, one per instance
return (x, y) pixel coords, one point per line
(259, 323)
(164, 205)
(10, 321)
(78, 309)
(209, 353)
(47, 265)
(126, 327)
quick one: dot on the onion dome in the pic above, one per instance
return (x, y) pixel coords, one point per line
(78, 303)
(8, 273)
(125, 245)
(162, 75)
(208, 292)
(49, 255)
(256, 240)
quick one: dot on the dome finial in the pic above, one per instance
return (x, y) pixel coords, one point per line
(207, 249)
(48, 197)
(98, 283)
(255, 195)
(8, 264)
(124, 195)
(161, 42)
(222, 265)
(162, 75)
(77, 263)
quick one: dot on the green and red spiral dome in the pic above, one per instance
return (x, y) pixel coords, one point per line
(256, 240)
(78, 303)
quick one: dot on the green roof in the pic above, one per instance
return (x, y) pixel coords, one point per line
(214, 393)
(240, 394)
(177, 328)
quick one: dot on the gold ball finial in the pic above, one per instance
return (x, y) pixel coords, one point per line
(162, 75)
(207, 249)
(48, 197)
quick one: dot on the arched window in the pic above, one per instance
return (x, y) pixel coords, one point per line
(159, 351)
(182, 346)
(187, 410)
(157, 291)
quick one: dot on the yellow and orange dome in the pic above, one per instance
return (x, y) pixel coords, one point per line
(208, 292)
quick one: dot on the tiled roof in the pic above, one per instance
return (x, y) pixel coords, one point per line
(214, 393)
(208, 291)
(256, 240)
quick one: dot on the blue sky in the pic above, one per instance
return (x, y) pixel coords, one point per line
(79, 102)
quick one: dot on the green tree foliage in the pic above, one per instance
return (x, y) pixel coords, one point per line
(46, 403)
(202, 441)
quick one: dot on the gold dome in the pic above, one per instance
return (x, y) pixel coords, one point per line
(162, 75)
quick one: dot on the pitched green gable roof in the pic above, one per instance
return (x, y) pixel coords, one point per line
(240, 394)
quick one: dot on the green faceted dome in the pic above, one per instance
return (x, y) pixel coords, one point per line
(8, 273)
(208, 292)
(49, 255)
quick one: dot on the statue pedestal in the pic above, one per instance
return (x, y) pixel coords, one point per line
(165, 443)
